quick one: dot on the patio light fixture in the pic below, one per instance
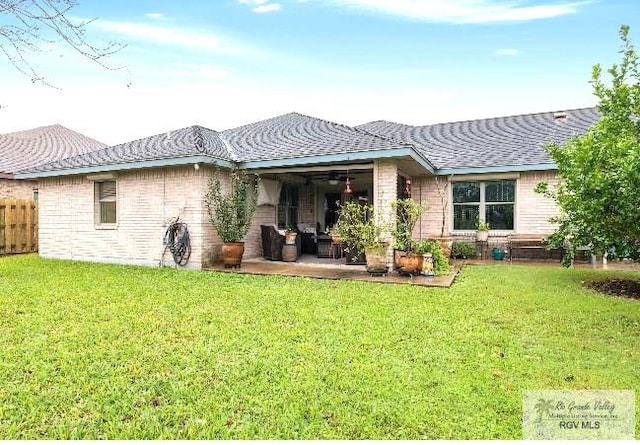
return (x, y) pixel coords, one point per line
(347, 189)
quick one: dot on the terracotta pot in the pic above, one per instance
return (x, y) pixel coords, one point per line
(397, 255)
(411, 263)
(232, 254)
(446, 243)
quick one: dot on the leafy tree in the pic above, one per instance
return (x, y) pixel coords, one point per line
(30, 23)
(599, 172)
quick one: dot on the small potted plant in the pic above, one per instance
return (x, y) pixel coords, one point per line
(482, 231)
(441, 265)
(290, 235)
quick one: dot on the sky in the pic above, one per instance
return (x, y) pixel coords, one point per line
(226, 63)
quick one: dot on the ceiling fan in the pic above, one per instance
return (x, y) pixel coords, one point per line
(334, 178)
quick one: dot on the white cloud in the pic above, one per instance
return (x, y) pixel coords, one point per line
(507, 52)
(463, 11)
(269, 7)
(196, 40)
(154, 15)
(262, 6)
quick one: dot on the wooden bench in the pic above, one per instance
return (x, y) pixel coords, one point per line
(528, 242)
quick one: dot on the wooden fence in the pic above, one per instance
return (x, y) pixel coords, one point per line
(18, 226)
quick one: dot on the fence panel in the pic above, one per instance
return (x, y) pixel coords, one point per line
(18, 226)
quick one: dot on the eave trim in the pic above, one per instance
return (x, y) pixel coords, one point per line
(167, 162)
(496, 169)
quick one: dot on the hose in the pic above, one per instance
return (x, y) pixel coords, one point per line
(176, 240)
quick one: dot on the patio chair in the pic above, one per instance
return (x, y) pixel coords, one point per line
(272, 242)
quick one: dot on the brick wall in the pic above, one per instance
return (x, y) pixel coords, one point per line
(425, 189)
(532, 210)
(17, 188)
(385, 191)
(146, 200)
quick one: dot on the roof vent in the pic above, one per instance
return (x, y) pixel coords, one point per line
(560, 116)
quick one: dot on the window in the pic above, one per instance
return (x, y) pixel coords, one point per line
(491, 201)
(288, 207)
(105, 202)
(36, 195)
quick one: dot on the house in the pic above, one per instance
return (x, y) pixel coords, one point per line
(116, 202)
(28, 149)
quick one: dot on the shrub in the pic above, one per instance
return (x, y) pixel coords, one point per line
(441, 264)
(463, 249)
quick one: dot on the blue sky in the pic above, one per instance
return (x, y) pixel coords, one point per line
(226, 63)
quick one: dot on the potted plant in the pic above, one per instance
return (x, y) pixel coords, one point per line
(230, 213)
(441, 265)
(482, 231)
(360, 230)
(408, 212)
(290, 235)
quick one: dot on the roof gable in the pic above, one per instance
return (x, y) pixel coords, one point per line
(184, 142)
(296, 135)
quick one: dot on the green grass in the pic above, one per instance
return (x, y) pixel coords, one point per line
(99, 351)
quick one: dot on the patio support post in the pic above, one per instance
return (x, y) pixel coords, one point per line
(385, 190)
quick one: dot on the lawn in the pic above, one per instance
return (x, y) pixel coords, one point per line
(100, 351)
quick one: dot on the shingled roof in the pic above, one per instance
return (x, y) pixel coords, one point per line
(296, 135)
(28, 149)
(503, 142)
(500, 141)
(185, 142)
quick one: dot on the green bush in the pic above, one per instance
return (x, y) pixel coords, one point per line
(441, 264)
(463, 249)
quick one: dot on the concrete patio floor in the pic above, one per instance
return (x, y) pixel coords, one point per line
(336, 269)
(331, 269)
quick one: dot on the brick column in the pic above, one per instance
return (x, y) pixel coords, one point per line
(385, 189)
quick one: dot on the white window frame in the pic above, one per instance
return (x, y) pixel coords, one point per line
(482, 204)
(99, 224)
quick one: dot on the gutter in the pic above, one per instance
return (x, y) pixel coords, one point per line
(496, 169)
(166, 162)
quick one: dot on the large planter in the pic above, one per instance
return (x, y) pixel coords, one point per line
(397, 255)
(411, 264)
(376, 259)
(232, 254)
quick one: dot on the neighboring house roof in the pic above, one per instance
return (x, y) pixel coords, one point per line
(185, 143)
(295, 135)
(28, 149)
(501, 141)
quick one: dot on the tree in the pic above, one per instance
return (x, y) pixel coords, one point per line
(34, 22)
(599, 172)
